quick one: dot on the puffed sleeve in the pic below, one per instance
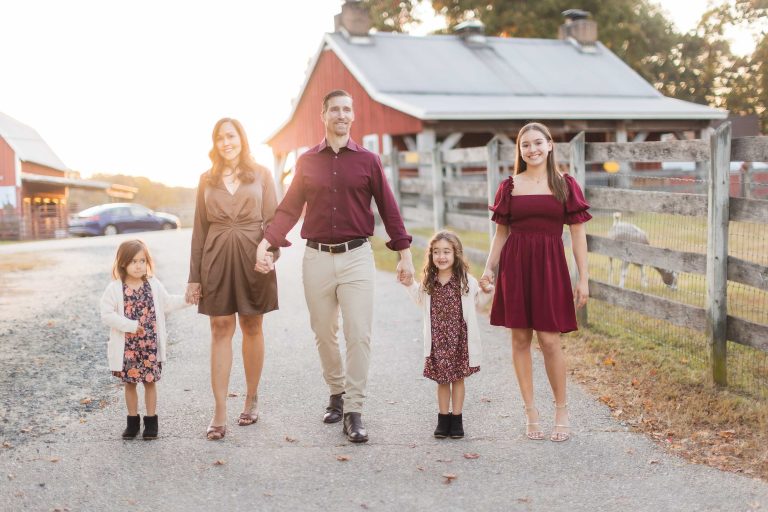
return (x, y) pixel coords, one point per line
(501, 204)
(575, 206)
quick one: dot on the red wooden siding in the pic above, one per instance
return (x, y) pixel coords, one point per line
(7, 168)
(33, 168)
(305, 128)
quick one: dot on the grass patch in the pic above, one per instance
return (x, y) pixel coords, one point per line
(664, 396)
(22, 262)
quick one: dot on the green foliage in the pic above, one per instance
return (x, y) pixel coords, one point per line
(391, 15)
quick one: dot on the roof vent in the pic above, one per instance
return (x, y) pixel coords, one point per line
(579, 29)
(353, 21)
(471, 31)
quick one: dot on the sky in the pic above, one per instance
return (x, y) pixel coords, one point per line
(136, 87)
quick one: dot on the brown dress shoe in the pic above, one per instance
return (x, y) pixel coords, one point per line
(353, 428)
(335, 409)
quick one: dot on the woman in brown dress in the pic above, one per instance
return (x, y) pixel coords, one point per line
(235, 200)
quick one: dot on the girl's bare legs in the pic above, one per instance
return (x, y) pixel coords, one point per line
(457, 396)
(444, 398)
(523, 363)
(554, 362)
(150, 398)
(253, 356)
(222, 330)
(131, 399)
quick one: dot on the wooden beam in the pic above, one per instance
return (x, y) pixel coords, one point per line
(748, 333)
(749, 149)
(749, 210)
(467, 222)
(694, 205)
(669, 151)
(717, 250)
(677, 313)
(747, 272)
(641, 254)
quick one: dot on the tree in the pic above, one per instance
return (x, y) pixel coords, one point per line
(391, 15)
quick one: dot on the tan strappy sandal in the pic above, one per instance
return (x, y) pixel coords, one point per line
(533, 435)
(559, 437)
(216, 433)
(250, 417)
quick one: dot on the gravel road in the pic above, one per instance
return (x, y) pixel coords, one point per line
(62, 415)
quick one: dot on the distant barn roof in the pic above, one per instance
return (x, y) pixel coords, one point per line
(27, 144)
(442, 77)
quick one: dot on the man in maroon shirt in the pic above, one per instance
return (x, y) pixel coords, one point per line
(337, 180)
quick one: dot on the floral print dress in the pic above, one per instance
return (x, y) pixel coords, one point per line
(140, 362)
(448, 360)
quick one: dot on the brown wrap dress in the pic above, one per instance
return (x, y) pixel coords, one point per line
(227, 229)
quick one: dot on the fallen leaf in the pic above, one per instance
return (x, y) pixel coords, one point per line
(504, 415)
(219, 462)
(524, 500)
(449, 477)
(364, 506)
(290, 439)
(630, 451)
(267, 494)
(420, 468)
(444, 460)
(232, 395)
(86, 401)
(54, 459)
(608, 361)
(50, 323)
(11, 476)
(82, 420)
(391, 402)
(26, 430)
(726, 434)
(653, 372)
(471, 455)
(654, 461)
(485, 399)
(412, 445)
(7, 444)
(617, 413)
(635, 383)
(342, 458)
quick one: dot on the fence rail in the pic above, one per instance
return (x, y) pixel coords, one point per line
(459, 200)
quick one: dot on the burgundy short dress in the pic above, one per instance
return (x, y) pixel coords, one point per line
(533, 287)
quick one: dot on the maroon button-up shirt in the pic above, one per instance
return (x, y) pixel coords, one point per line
(337, 189)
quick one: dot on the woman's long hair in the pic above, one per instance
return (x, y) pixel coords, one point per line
(246, 168)
(125, 254)
(460, 266)
(555, 180)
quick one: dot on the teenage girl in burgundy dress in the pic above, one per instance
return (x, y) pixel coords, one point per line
(533, 289)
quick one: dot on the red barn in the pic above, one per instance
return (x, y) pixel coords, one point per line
(461, 90)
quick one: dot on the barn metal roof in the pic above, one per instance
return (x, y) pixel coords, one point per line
(443, 77)
(27, 144)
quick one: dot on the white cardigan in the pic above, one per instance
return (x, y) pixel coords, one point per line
(112, 313)
(469, 302)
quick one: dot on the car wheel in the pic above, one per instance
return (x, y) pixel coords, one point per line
(167, 226)
(110, 230)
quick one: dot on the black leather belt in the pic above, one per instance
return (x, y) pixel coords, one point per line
(337, 248)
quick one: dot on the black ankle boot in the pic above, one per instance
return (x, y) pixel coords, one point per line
(132, 427)
(457, 427)
(335, 409)
(443, 425)
(150, 427)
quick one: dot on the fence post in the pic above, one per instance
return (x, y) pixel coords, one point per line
(492, 178)
(394, 166)
(438, 195)
(579, 172)
(717, 249)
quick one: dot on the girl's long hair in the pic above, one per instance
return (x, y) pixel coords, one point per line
(554, 178)
(125, 254)
(460, 266)
(246, 167)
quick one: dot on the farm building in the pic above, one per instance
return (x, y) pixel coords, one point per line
(414, 92)
(35, 183)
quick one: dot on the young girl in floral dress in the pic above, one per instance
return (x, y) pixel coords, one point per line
(448, 295)
(134, 307)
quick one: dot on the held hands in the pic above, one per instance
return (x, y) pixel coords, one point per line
(265, 260)
(581, 294)
(486, 281)
(193, 293)
(405, 270)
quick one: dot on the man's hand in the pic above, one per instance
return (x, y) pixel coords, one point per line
(265, 262)
(405, 268)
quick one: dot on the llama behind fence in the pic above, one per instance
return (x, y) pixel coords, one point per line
(628, 232)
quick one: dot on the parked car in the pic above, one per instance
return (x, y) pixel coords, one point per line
(114, 218)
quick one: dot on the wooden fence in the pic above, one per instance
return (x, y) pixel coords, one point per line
(451, 186)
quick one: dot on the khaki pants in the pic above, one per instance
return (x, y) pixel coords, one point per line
(342, 282)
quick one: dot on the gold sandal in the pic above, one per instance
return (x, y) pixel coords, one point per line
(250, 417)
(216, 433)
(559, 437)
(533, 435)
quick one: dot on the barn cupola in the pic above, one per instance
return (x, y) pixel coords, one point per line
(354, 21)
(579, 29)
(472, 31)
